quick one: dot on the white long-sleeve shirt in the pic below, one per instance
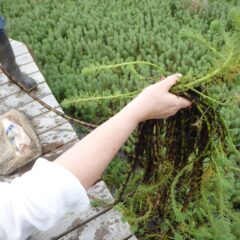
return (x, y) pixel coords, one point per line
(38, 199)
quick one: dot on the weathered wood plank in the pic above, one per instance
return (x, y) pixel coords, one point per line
(56, 137)
(74, 219)
(47, 121)
(105, 227)
(51, 156)
(24, 59)
(15, 43)
(29, 68)
(19, 50)
(34, 108)
(37, 76)
(20, 99)
(10, 88)
(3, 78)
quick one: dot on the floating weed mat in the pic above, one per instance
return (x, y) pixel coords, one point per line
(180, 179)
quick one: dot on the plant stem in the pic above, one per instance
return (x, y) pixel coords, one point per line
(103, 67)
(206, 78)
(81, 100)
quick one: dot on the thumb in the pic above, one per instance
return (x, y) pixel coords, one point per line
(183, 102)
(171, 80)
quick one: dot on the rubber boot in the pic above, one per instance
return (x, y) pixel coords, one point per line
(7, 60)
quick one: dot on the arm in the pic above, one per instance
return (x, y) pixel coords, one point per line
(40, 197)
(88, 159)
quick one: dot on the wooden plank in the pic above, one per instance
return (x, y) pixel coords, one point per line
(73, 219)
(10, 88)
(106, 226)
(20, 50)
(47, 121)
(51, 156)
(34, 108)
(3, 78)
(56, 137)
(24, 59)
(29, 68)
(20, 99)
(37, 76)
(15, 43)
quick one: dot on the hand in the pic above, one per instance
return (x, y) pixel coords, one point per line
(156, 102)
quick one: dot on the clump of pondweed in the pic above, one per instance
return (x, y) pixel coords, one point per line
(182, 189)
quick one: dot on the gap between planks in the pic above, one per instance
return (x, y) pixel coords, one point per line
(20, 99)
(106, 226)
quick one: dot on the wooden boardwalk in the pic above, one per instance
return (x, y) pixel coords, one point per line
(56, 135)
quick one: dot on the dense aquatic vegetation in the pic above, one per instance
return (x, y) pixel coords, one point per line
(70, 36)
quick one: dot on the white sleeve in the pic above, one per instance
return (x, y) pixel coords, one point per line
(38, 199)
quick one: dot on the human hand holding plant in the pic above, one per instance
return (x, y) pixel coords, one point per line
(156, 102)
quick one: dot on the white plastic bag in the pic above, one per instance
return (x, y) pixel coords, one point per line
(16, 135)
(18, 142)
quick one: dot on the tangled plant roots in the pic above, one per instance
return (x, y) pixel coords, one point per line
(182, 140)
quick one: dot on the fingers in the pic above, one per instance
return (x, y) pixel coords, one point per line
(183, 102)
(168, 82)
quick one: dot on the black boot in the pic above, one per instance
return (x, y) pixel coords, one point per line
(7, 60)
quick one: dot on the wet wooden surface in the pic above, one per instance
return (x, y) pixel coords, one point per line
(56, 135)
